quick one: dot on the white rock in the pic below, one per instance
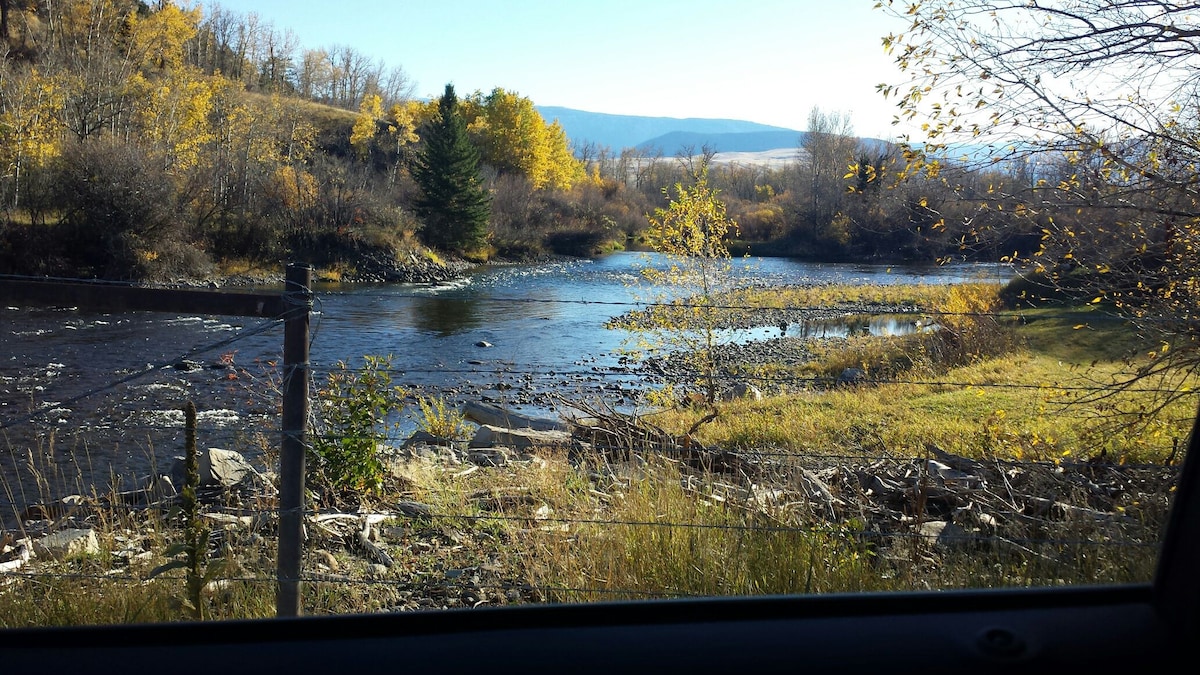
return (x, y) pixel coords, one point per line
(218, 467)
(944, 534)
(489, 436)
(67, 544)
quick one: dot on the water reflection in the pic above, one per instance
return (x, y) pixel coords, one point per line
(446, 316)
(865, 324)
(843, 327)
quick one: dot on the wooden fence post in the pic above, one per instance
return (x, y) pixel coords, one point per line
(298, 307)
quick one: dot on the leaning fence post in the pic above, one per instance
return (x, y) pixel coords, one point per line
(297, 301)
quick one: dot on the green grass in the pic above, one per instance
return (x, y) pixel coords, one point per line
(926, 296)
(1027, 403)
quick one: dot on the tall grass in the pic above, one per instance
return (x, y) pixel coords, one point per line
(660, 540)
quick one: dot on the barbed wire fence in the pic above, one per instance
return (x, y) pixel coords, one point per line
(903, 493)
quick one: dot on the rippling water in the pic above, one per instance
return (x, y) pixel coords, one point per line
(545, 325)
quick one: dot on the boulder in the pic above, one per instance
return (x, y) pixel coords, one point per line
(421, 437)
(852, 376)
(944, 535)
(67, 544)
(218, 468)
(518, 439)
(485, 413)
(488, 457)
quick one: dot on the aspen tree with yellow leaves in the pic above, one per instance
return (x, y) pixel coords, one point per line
(30, 127)
(366, 124)
(691, 233)
(514, 138)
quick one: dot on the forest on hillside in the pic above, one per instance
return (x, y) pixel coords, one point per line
(162, 142)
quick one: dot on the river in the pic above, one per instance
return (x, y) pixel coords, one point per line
(509, 334)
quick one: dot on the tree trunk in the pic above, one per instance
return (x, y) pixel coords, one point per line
(4, 22)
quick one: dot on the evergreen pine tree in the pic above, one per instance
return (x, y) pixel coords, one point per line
(453, 204)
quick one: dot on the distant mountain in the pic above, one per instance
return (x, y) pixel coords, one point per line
(633, 131)
(749, 141)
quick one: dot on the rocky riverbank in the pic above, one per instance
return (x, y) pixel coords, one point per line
(369, 267)
(735, 359)
(378, 267)
(732, 316)
(458, 518)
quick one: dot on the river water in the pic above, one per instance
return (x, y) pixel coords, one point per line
(509, 334)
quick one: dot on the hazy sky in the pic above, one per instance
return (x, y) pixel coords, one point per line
(767, 61)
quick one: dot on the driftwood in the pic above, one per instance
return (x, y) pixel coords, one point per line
(974, 499)
(375, 551)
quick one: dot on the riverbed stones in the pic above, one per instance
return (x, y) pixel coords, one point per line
(66, 544)
(382, 266)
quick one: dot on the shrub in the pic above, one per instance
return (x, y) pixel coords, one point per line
(969, 328)
(441, 420)
(353, 410)
(120, 213)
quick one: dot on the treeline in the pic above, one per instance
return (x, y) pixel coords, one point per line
(154, 142)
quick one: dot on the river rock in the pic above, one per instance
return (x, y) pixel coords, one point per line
(156, 489)
(943, 534)
(67, 544)
(852, 376)
(489, 457)
(489, 436)
(160, 487)
(218, 468)
(62, 508)
(420, 437)
(740, 391)
(485, 413)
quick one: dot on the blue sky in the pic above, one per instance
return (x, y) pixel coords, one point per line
(767, 61)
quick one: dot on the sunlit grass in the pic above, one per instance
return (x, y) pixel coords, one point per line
(1027, 404)
(925, 296)
(667, 541)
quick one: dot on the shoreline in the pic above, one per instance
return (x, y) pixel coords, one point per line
(415, 270)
